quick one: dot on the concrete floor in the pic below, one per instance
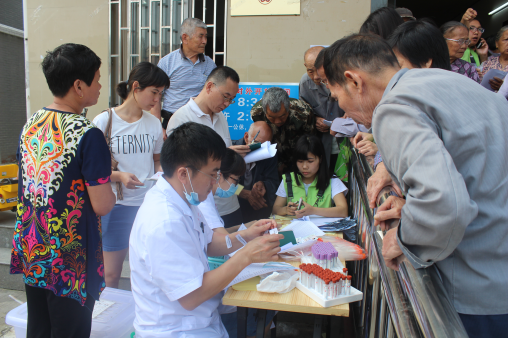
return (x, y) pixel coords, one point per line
(6, 305)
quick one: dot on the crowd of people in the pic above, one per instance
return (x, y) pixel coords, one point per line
(408, 89)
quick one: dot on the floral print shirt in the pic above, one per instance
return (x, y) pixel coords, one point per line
(492, 63)
(57, 238)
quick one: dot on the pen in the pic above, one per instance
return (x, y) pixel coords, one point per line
(254, 139)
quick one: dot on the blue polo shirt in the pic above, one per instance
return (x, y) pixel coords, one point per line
(186, 78)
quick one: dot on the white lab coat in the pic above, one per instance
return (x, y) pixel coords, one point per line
(167, 255)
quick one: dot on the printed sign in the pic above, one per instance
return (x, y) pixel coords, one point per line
(265, 7)
(238, 114)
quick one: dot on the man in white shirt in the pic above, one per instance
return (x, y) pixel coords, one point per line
(175, 292)
(218, 93)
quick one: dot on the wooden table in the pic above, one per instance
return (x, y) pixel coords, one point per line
(293, 301)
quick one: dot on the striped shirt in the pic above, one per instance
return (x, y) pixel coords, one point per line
(187, 78)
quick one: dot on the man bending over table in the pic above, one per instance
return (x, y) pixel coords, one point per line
(175, 292)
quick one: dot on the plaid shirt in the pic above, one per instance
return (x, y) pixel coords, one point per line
(465, 68)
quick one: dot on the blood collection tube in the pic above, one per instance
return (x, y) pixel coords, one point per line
(349, 284)
(344, 271)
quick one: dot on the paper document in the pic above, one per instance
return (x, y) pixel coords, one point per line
(155, 177)
(267, 150)
(304, 229)
(490, 75)
(257, 269)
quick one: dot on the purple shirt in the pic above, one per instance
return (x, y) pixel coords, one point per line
(465, 68)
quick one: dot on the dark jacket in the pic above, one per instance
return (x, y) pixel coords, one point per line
(265, 171)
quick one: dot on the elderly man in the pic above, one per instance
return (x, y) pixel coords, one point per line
(217, 94)
(187, 68)
(315, 93)
(261, 179)
(453, 170)
(289, 119)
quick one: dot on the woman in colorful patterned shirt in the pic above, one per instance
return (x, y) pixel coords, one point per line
(64, 174)
(456, 35)
(498, 62)
(136, 143)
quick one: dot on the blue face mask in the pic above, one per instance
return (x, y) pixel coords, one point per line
(225, 194)
(193, 198)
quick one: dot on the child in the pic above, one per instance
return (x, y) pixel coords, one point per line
(320, 195)
(136, 142)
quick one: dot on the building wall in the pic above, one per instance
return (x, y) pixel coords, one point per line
(271, 48)
(12, 80)
(54, 22)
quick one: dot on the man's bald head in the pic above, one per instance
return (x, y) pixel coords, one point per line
(265, 132)
(310, 55)
(309, 59)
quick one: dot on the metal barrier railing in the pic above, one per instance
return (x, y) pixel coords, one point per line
(408, 303)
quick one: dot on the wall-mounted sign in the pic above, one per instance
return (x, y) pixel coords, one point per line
(265, 7)
(238, 114)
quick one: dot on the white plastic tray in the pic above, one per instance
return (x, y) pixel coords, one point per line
(354, 296)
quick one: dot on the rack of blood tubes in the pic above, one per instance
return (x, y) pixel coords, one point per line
(326, 282)
(325, 255)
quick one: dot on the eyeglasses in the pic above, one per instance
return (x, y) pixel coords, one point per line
(461, 41)
(474, 29)
(213, 178)
(234, 179)
(226, 99)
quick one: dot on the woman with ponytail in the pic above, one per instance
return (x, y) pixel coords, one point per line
(135, 139)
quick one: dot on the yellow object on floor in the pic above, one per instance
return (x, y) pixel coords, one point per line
(8, 187)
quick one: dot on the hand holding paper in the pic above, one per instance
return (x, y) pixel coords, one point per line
(267, 150)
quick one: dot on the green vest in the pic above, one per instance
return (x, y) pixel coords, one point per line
(467, 56)
(320, 199)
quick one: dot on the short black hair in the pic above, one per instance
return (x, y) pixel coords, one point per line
(418, 41)
(367, 52)
(68, 63)
(312, 144)
(319, 59)
(147, 74)
(191, 145)
(232, 164)
(220, 74)
(382, 22)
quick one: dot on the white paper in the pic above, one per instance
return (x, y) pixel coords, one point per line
(267, 150)
(490, 75)
(257, 269)
(155, 177)
(304, 229)
(298, 246)
(286, 246)
(101, 306)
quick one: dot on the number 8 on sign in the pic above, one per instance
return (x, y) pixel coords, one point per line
(241, 101)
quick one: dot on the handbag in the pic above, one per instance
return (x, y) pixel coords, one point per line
(114, 163)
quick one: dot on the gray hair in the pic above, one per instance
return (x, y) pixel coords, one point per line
(500, 33)
(273, 98)
(189, 26)
(449, 26)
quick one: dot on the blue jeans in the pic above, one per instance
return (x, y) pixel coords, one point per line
(230, 322)
(485, 326)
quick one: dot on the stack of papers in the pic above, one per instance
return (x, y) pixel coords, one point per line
(267, 150)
